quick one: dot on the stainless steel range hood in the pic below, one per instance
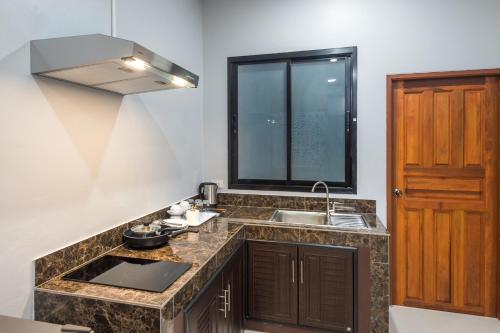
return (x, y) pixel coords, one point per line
(107, 63)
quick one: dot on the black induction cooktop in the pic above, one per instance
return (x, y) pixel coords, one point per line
(135, 273)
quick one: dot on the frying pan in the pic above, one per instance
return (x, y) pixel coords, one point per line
(146, 236)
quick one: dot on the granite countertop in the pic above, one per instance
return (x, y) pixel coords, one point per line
(120, 309)
(199, 249)
(205, 250)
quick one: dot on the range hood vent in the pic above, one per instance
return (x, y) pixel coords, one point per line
(107, 63)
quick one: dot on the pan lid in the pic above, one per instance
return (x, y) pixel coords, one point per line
(150, 230)
(145, 228)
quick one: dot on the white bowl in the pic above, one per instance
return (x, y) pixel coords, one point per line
(184, 205)
(178, 212)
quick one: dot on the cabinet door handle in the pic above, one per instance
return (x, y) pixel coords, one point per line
(228, 297)
(301, 272)
(224, 297)
(293, 271)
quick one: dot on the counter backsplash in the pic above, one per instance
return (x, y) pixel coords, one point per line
(56, 263)
(294, 202)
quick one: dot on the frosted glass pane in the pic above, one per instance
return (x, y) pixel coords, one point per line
(318, 121)
(262, 121)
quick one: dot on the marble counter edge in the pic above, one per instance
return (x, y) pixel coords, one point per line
(156, 305)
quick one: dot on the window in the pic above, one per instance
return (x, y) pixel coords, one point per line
(292, 120)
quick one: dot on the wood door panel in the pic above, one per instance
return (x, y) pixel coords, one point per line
(444, 250)
(443, 230)
(448, 204)
(444, 188)
(272, 282)
(457, 134)
(473, 259)
(231, 287)
(413, 128)
(442, 128)
(473, 109)
(202, 317)
(471, 172)
(445, 162)
(326, 295)
(444, 83)
(414, 244)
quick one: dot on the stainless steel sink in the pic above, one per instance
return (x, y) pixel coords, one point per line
(338, 220)
(350, 221)
(301, 217)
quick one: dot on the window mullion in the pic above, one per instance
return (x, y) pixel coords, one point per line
(289, 122)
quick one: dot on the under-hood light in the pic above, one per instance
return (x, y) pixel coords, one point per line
(136, 63)
(180, 82)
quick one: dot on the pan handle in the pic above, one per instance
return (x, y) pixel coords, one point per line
(178, 232)
(165, 230)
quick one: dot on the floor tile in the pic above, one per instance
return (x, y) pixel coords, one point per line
(413, 320)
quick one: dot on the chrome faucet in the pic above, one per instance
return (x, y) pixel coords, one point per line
(327, 198)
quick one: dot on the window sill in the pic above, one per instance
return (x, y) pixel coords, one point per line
(289, 188)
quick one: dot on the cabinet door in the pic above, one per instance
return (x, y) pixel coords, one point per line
(231, 289)
(272, 282)
(202, 317)
(326, 288)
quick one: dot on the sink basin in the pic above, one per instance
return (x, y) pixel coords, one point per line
(300, 217)
(338, 220)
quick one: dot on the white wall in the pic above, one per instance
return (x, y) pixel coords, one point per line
(76, 161)
(392, 37)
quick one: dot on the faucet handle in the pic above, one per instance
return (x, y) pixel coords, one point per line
(334, 206)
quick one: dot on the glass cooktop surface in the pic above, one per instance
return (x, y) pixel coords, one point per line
(125, 272)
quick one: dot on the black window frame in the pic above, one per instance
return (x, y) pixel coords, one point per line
(350, 185)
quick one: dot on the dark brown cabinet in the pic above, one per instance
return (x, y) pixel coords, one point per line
(310, 286)
(272, 277)
(203, 316)
(326, 288)
(231, 296)
(218, 308)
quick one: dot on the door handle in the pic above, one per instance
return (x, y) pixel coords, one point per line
(225, 302)
(228, 297)
(301, 272)
(293, 271)
(396, 192)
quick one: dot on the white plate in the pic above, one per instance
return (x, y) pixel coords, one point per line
(175, 222)
(204, 217)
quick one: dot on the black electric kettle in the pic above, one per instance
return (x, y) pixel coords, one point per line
(208, 192)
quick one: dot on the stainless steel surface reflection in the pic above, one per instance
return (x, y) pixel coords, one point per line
(337, 220)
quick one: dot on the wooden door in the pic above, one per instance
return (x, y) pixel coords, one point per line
(326, 288)
(445, 213)
(219, 307)
(203, 316)
(272, 282)
(231, 321)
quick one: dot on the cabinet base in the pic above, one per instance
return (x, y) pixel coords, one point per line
(270, 327)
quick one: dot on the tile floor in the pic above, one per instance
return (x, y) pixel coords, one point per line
(412, 320)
